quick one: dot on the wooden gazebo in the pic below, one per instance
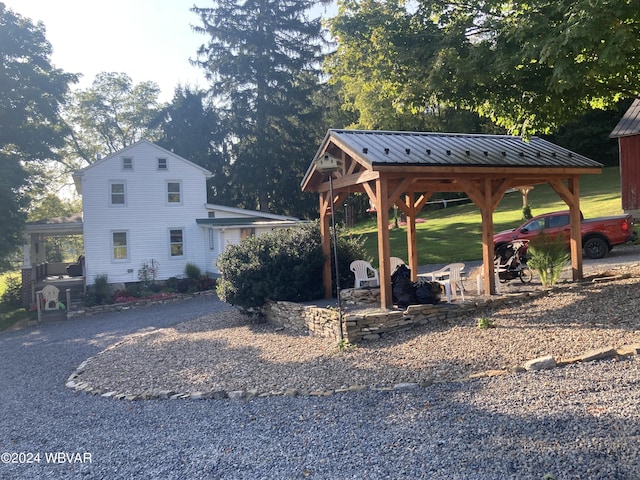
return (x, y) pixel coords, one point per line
(406, 168)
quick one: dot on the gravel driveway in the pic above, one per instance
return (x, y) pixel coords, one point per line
(577, 422)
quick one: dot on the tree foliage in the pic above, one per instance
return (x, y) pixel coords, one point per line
(192, 128)
(526, 65)
(110, 115)
(31, 92)
(285, 264)
(263, 58)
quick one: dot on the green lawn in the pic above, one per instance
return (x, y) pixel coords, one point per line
(454, 233)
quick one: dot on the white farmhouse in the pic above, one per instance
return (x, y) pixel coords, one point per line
(146, 205)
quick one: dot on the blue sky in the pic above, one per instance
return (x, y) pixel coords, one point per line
(147, 39)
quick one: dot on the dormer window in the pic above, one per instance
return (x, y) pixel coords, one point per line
(162, 164)
(127, 163)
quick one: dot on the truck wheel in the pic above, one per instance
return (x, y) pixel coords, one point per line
(596, 248)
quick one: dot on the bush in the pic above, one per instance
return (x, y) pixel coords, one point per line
(100, 292)
(548, 256)
(285, 265)
(205, 282)
(192, 271)
(148, 272)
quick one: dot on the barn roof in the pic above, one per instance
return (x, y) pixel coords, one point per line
(629, 124)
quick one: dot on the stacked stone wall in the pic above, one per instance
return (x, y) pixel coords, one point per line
(362, 320)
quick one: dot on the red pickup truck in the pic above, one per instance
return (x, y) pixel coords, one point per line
(599, 235)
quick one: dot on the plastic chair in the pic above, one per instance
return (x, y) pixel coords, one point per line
(395, 263)
(450, 277)
(365, 274)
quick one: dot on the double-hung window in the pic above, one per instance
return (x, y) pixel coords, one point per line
(118, 193)
(174, 193)
(127, 163)
(119, 243)
(162, 164)
(176, 242)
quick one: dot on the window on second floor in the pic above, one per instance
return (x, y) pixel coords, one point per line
(174, 192)
(118, 193)
(127, 163)
(162, 164)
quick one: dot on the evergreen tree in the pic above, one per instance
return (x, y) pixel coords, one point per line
(191, 128)
(263, 60)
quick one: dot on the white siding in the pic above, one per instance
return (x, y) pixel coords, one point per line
(146, 215)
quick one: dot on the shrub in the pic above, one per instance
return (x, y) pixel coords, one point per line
(548, 256)
(205, 282)
(284, 264)
(192, 271)
(99, 293)
(148, 272)
(526, 213)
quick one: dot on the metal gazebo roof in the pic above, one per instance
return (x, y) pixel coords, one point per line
(405, 168)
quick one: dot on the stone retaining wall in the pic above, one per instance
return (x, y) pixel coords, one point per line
(367, 321)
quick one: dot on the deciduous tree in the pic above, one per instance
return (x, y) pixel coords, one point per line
(111, 114)
(31, 92)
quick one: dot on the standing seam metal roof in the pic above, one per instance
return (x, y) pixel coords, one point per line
(388, 148)
(629, 124)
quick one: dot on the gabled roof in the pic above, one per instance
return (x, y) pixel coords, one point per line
(629, 124)
(389, 149)
(79, 173)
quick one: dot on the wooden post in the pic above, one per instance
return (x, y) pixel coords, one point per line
(325, 238)
(384, 248)
(576, 231)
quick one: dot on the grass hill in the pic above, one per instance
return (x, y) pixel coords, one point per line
(454, 233)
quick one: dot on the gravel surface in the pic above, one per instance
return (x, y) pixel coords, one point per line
(576, 422)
